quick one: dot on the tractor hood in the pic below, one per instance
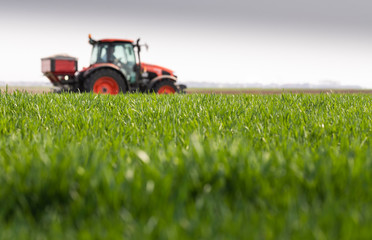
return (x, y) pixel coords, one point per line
(156, 69)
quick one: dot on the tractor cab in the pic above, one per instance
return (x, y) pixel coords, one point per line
(117, 52)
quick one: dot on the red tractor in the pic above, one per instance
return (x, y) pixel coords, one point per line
(114, 68)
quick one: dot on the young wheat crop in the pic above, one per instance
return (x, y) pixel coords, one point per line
(82, 166)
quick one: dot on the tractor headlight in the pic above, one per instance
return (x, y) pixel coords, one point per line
(145, 74)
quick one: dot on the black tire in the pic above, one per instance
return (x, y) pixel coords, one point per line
(91, 80)
(166, 83)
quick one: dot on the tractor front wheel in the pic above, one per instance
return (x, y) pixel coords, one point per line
(105, 81)
(165, 87)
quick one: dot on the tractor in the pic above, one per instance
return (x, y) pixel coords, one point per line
(115, 67)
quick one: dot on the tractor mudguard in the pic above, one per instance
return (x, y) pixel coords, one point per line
(99, 66)
(158, 79)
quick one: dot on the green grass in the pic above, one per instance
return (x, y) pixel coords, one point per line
(82, 166)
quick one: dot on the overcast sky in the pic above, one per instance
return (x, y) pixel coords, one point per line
(287, 41)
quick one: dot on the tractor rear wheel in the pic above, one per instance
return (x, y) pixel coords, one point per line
(105, 81)
(165, 87)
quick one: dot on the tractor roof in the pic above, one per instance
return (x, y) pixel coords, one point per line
(116, 40)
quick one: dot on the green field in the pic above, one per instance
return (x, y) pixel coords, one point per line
(83, 166)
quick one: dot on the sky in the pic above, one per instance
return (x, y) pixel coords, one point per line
(266, 41)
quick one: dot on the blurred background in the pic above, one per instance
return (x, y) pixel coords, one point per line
(257, 43)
